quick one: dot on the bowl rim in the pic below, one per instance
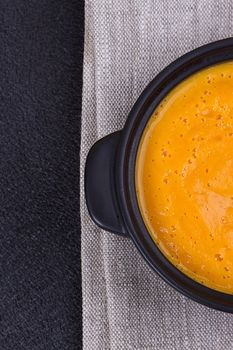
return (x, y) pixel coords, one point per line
(157, 89)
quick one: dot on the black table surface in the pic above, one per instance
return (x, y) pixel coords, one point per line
(40, 86)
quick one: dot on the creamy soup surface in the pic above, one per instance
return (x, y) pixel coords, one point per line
(184, 177)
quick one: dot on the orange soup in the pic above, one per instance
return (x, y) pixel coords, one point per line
(184, 177)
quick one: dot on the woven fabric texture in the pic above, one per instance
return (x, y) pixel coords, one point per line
(125, 304)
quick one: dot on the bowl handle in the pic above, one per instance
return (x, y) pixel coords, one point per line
(100, 187)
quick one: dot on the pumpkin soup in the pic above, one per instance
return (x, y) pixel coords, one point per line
(184, 176)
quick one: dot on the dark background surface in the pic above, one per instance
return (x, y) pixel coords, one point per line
(40, 105)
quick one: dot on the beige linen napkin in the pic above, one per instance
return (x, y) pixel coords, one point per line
(125, 304)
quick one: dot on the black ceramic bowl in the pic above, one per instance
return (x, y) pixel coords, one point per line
(110, 174)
